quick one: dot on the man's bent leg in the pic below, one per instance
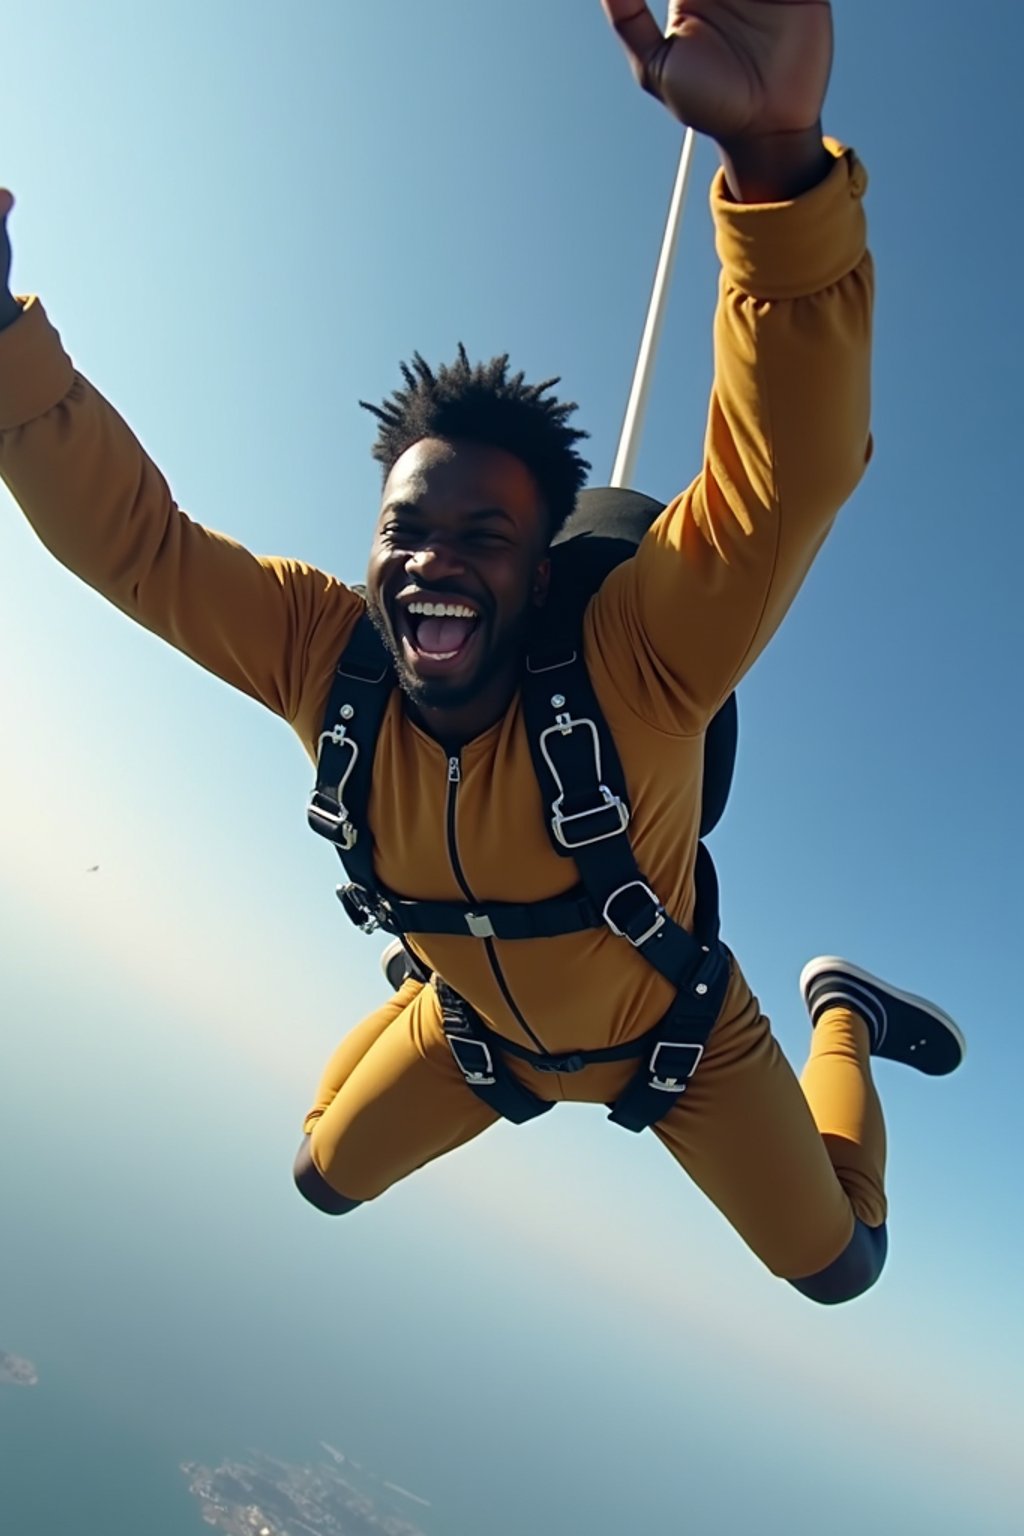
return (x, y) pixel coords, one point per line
(354, 1047)
(745, 1133)
(402, 1104)
(312, 1185)
(844, 1102)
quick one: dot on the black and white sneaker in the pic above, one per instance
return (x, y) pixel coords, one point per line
(903, 1027)
(396, 965)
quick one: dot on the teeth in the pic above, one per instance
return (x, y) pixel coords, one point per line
(442, 610)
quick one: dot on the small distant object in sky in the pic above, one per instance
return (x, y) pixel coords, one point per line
(92, 869)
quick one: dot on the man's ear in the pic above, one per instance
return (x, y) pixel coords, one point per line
(541, 583)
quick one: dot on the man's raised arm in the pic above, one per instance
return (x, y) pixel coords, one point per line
(788, 428)
(101, 506)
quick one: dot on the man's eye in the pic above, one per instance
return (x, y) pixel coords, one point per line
(486, 540)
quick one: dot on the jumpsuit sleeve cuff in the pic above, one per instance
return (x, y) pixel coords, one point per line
(35, 371)
(794, 249)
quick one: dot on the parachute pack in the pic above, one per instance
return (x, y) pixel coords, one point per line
(581, 780)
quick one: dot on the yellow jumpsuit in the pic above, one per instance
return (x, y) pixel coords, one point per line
(667, 638)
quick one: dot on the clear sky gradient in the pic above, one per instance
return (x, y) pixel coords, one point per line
(242, 217)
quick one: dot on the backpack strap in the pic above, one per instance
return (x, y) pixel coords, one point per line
(338, 806)
(581, 779)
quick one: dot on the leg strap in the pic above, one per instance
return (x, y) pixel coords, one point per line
(670, 1053)
(481, 1062)
(676, 1047)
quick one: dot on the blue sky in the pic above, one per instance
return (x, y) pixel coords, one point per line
(241, 217)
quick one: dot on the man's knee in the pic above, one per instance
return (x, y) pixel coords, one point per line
(312, 1185)
(854, 1272)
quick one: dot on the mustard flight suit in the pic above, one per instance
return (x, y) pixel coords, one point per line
(667, 638)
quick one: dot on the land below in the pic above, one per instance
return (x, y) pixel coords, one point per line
(266, 1497)
(17, 1371)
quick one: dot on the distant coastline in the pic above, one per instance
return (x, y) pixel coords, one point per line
(264, 1495)
(15, 1371)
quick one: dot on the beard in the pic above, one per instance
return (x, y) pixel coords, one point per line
(436, 693)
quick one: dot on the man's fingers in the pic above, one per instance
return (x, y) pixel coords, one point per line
(6, 202)
(638, 31)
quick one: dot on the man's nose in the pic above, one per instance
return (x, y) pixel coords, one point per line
(435, 559)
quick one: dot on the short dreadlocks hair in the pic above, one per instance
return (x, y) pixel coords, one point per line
(481, 402)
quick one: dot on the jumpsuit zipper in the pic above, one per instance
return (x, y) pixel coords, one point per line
(454, 780)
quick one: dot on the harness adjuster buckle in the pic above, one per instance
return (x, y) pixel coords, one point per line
(479, 1074)
(362, 907)
(326, 812)
(573, 1062)
(609, 805)
(479, 925)
(643, 922)
(331, 820)
(674, 1081)
(577, 836)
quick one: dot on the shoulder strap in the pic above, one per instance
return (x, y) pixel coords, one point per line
(361, 687)
(582, 781)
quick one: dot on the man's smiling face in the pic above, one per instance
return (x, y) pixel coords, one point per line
(458, 561)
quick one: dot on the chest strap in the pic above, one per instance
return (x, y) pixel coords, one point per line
(573, 913)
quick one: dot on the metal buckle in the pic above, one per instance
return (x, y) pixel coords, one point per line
(361, 674)
(362, 908)
(624, 933)
(327, 821)
(564, 726)
(610, 802)
(552, 666)
(673, 1084)
(484, 1079)
(574, 1062)
(479, 925)
(332, 824)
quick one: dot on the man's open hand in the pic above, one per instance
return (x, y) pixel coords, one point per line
(732, 69)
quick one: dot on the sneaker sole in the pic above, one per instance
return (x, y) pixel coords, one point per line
(829, 964)
(394, 962)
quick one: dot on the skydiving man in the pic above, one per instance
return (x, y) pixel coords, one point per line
(481, 472)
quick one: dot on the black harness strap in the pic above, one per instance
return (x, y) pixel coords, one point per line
(581, 778)
(678, 1045)
(670, 1054)
(362, 684)
(479, 1055)
(548, 919)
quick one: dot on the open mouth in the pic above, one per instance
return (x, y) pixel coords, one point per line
(438, 636)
